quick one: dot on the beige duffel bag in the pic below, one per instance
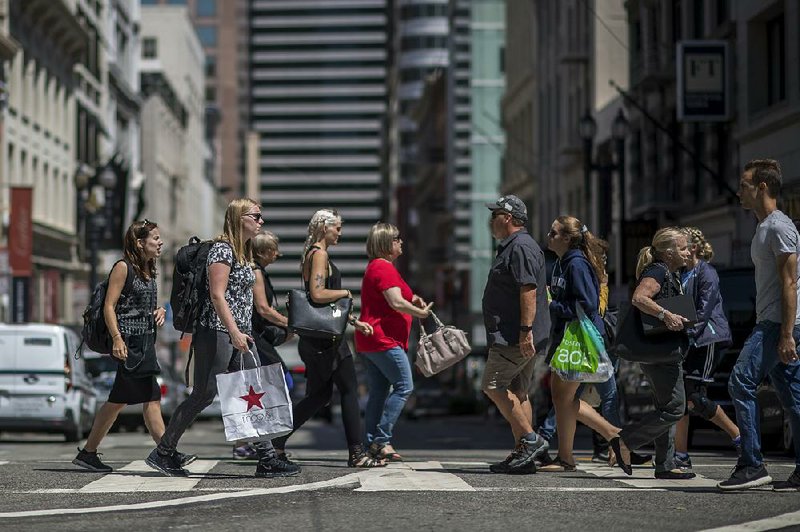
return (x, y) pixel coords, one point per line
(440, 349)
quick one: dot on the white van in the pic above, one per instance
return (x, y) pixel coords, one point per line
(43, 388)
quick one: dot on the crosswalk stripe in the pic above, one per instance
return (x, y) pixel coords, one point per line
(125, 480)
(644, 478)
(411, 476)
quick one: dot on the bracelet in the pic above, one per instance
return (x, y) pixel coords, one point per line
(114, 336)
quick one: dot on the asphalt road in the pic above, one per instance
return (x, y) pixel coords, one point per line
(444, 484)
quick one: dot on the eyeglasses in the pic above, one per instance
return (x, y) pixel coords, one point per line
(256, 216)
(552, 234)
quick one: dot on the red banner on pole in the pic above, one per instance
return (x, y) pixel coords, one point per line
(20, 232)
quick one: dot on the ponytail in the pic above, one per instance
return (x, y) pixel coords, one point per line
(664, 241)
(595, 249)
(646, 258)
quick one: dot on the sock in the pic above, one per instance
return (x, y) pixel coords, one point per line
(737, 441)
(265, 450)
(530, 437)
(682, 456)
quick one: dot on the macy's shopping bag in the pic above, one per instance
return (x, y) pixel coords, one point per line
(581, 356)
(255, 403)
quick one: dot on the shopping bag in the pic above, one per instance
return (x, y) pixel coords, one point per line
(255, 403)
(581, 356)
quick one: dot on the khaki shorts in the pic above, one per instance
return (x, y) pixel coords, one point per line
(507, 369)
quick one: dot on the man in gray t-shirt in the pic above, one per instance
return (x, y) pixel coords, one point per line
(771, 349)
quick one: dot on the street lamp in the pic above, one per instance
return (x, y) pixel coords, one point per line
(587, 128)
(92, 186)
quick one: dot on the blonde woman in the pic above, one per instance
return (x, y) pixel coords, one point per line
(708, 338)
(328, 363)
(388, 304)
(656, 270)
(223, 336)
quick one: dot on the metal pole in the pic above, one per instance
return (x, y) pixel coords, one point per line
(621, 170)
(91, 233)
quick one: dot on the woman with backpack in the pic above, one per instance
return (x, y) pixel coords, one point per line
(328, 362)
(222, 338)
(707, 338)
(131, 317)
(576, 282)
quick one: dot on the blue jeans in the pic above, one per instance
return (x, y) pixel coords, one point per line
(609, 407)
(385, 370)
(759, 358)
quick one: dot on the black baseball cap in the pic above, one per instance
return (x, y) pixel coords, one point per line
(512, 205)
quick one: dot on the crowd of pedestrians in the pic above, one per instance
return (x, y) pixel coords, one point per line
(524, 316)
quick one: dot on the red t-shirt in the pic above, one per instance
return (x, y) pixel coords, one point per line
(391, 328)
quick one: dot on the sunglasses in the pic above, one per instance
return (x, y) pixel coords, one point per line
(552, 234)
(256, 216)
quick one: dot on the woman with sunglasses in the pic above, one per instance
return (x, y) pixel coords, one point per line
(131, 317)
(576, 282)
(388, 305)
(223, 337)
(328, 362)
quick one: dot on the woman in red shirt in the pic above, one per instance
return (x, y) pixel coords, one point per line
(388, 304)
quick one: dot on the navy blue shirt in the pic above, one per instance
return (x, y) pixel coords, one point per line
(519, 262)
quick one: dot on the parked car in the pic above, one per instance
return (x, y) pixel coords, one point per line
(103, 368)
(43, 387)
(737, 286)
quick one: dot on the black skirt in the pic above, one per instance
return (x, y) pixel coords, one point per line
(131, 390)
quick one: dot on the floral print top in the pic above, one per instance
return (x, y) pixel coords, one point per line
(238, 294)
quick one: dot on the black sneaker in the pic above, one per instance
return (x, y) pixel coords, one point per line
(185, 459)
(502, 467)
(744, 477)
(683, 463)
(168, 464)
(675, 475)
(544, 460)
(524, 457)
(276, 467)
(90, 461)
(793, 484)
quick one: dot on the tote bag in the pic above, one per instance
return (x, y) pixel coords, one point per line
(581, 356)
(255, 403)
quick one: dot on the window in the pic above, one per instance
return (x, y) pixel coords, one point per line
(177, 2)
(149, 2)
(776, 60)
(502, 59)
(211, 66)
(208, 35)
(149, 48)
(211, 94)
(698, 16)
(206, 8)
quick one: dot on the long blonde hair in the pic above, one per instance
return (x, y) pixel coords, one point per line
(664, 241)
(316, 228)
(232, 229)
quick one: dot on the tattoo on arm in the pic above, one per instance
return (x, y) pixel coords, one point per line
(319, 281)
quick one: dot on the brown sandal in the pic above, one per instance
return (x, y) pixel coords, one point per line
(362, 459)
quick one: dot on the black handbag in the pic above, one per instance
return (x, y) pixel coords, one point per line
(682, 304)
(142, 360)
(317, 320)
(633, 345)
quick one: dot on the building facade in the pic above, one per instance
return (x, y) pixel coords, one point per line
(318, 91)
(39, 150)
(177, 192)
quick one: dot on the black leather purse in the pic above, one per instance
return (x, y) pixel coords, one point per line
(317, 320)
(632, 344)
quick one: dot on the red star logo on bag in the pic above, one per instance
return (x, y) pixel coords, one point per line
(253, 399)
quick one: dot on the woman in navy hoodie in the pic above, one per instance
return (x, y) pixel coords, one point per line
(708, 338)
(575, 282)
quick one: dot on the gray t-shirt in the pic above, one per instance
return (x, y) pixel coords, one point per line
(776, 235)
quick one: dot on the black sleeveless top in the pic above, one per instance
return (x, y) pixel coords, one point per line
(333, 282)
(272, 333)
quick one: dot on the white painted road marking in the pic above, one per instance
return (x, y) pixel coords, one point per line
(644, 477)
(412, 476)
(125, 480)
(770, 523)
(3, 462)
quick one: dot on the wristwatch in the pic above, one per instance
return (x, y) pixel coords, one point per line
(525, 328)
(662, 314)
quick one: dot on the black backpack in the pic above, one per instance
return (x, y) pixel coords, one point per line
(189, 286)
(95, 332)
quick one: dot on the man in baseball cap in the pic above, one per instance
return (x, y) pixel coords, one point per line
(512, 205)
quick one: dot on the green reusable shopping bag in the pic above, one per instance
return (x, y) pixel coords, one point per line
(581, 356)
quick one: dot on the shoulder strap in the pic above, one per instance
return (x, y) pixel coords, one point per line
(126, 289)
